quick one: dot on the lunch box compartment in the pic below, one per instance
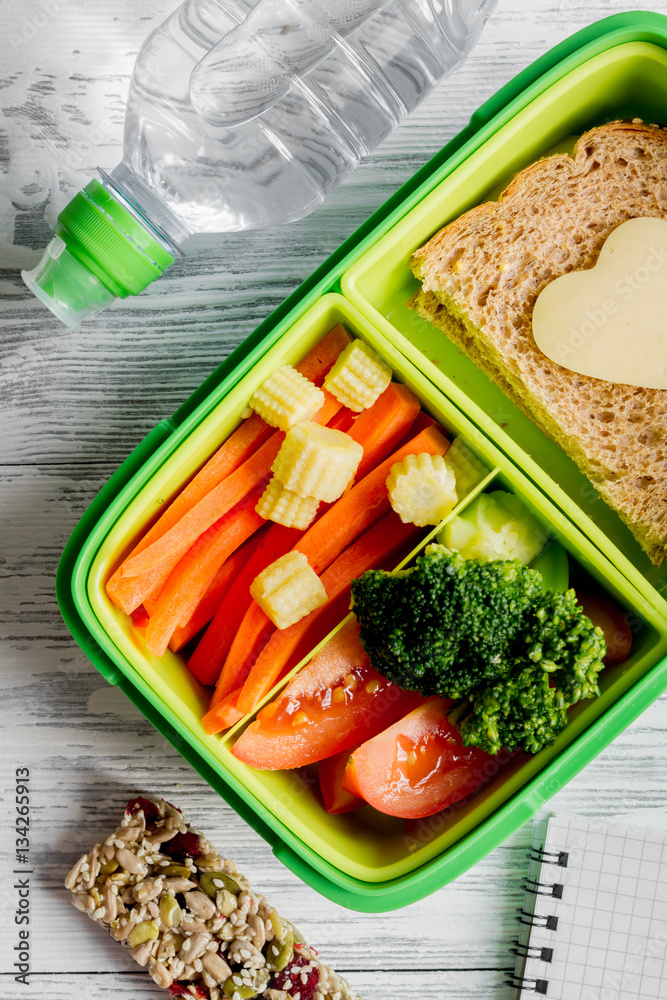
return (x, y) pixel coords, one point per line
(370, 851)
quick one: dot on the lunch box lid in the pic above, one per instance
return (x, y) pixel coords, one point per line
(165, 436)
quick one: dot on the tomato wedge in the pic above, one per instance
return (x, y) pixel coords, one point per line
(334, 703)
(336, 798)
(416, 767)
(617, 632)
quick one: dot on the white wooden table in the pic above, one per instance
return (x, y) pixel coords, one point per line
(75, 404)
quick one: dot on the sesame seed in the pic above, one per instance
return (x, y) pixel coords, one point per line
(304, 978)
(186, 944)
(218, 883)
(288, 983)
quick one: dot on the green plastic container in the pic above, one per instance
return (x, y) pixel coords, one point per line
(616, 68)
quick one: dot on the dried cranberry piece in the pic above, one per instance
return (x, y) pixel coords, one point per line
(151, 811)
(182, 846)
(181, 990)
(305, 990)
(178, 990)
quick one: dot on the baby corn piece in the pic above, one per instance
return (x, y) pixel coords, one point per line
(286, 397)
(467, 469)
(288, 589)
(358, 377)
(316, 461)
(286, 507)
(422, 489)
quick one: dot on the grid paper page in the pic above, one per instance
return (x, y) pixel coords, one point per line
(611, 938)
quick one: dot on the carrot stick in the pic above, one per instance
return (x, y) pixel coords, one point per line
(193, 573)
(158, 577)
(382, 425)
(238, 447)
(343, 420)
(255, 631)
(385, 537)
(207, 659)
(224, 714)
(422, 421)
(214, 596)
(129, 592)
(317, 363)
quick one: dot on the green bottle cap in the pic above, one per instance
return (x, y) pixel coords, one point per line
(100, 252)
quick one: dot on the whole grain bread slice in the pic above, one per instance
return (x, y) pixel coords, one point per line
(482, 274)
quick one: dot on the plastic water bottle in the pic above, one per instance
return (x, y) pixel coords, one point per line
(242, 115)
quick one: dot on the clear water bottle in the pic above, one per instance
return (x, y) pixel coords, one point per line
(242, 115)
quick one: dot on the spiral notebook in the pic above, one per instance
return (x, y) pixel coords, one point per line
(594, 924)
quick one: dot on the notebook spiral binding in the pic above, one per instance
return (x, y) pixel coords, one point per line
(559, 858)
(538, 986)
(532, 951)
(538, 920)
(553, 889)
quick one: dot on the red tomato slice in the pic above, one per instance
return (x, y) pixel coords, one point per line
(417, 766)
(617, 632)
(336, 798)
(334, 703)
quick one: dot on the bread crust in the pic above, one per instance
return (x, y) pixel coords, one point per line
(482, 273)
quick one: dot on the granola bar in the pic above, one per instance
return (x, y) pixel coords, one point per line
(162, 890)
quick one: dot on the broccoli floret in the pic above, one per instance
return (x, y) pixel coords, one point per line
(445, 625)
(522, 712)
(557, 659)
(483, 633)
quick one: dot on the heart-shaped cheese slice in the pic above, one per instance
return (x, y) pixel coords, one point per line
(610, 321)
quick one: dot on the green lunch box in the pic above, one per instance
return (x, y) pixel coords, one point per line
(617, 68)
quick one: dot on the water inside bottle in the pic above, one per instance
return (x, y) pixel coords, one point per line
(279, 165)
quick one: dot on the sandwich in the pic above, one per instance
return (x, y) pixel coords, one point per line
(481, 276)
